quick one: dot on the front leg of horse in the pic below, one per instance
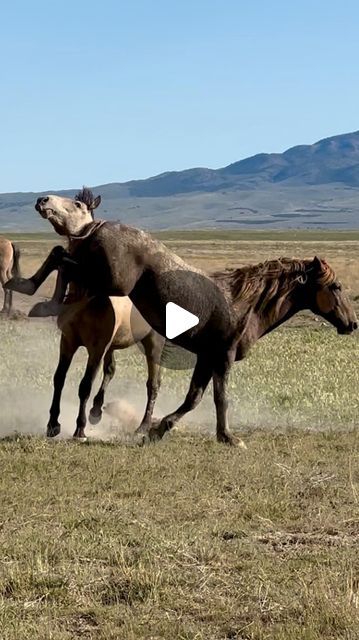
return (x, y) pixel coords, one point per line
(84, 394)
(199, 382)
(153, 387)
(153, 346)
(54, 306)
(109, 368)
(67, 350)
(30, 285)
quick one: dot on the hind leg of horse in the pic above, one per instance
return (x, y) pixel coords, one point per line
(199, 382)
(109, 368)
(68, 348)
(153, 346)
(220, 385)
(3, 279)
(7, 302)
(85, 387)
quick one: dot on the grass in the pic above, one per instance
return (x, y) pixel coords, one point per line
(248, 235)
(187, 539)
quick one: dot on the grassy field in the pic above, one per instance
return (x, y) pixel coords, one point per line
(186, 539)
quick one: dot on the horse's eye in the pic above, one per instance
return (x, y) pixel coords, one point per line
(78, 204)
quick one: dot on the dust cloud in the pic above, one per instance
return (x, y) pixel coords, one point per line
(28, 359)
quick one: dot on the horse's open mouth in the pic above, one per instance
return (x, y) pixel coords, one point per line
(45, 212)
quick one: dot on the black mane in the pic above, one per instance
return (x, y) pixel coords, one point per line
(86, 196)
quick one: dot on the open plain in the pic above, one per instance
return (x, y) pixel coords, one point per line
(186, 539)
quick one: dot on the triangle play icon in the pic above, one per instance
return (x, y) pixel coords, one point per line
(178, 320)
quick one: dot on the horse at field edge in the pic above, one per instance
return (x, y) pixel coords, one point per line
(9, 267)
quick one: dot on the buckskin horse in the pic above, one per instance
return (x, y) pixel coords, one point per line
(102, 325)
(9, 267)
(112, 259)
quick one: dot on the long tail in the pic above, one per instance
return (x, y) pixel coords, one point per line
(16, 273)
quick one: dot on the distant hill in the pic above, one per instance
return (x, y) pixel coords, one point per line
(306, 186)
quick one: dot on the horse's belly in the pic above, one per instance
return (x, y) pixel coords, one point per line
(131, 327)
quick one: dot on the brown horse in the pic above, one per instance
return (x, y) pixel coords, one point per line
(102, 325)
(114, 259)
(9, 267)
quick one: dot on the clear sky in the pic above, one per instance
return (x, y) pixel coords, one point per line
(112, 90)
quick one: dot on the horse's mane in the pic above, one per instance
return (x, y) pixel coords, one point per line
(86, 196)
(269, 282)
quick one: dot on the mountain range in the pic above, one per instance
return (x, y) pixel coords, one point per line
(307, 186)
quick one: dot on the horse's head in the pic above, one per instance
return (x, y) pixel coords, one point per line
(68, 216)
(327, 298)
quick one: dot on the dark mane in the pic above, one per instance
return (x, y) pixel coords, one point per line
(86, 196)
(268, 283)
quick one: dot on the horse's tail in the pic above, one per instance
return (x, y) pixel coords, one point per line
(15, 261)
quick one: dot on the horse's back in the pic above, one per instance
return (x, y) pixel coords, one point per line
(119, 256)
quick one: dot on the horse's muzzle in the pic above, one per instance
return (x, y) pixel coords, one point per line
(41, 203)
(351, 326)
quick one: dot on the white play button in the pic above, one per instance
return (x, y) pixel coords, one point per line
(178, 320)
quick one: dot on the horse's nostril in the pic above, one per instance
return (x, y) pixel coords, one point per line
(42, 200)
(355, 326)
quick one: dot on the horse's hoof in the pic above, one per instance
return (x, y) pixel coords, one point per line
(79, 439)
(44, 310)
(232, 441)
(53, 430)
(140, 439)
(95, 418)
(142, 429)
(155, 433)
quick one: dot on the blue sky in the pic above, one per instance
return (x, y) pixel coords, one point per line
(96, 92)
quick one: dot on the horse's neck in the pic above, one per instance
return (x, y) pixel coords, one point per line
(259, 323)
(287, 310)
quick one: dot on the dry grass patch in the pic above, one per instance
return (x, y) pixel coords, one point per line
(187, 539)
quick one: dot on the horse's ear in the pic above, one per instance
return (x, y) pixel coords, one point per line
(317, 264)
(95, 203)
